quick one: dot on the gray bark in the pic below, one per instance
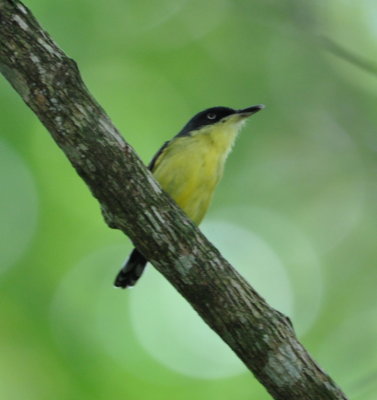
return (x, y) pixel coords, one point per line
(50, 84)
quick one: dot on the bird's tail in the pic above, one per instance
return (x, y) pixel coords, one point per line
(131, 271)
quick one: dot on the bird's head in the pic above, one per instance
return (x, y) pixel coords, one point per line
(213, 117)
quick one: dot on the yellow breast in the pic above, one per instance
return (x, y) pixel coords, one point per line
(191, 166)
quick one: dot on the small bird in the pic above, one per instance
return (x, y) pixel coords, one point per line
(188, 168)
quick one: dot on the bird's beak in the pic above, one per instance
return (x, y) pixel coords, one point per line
(247, 112)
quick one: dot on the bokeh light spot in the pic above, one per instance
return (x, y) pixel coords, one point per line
(301, 275)
(255, 259)
(170, 330)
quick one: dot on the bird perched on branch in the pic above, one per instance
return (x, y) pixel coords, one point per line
(188, 168)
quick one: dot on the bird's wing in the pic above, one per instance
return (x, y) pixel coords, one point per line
(156, 157)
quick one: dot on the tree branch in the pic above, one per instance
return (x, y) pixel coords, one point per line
(348, 55)
(50, 84)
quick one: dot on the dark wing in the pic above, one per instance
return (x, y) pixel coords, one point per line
(152, 164)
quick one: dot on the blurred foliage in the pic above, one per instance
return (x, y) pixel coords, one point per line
(295, 212)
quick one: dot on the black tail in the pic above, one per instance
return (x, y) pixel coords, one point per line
(131, 271)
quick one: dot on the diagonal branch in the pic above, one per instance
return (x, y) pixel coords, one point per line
(50, 84)
(348, 55)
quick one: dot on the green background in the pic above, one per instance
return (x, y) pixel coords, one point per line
(295, 212)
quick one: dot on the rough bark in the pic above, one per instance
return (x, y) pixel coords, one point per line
(50, 84)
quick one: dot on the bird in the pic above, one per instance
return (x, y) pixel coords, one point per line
(189, 166)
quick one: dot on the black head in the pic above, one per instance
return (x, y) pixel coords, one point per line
(206, 117)
(213, 115)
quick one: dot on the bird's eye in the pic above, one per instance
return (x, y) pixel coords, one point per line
(211, 115)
